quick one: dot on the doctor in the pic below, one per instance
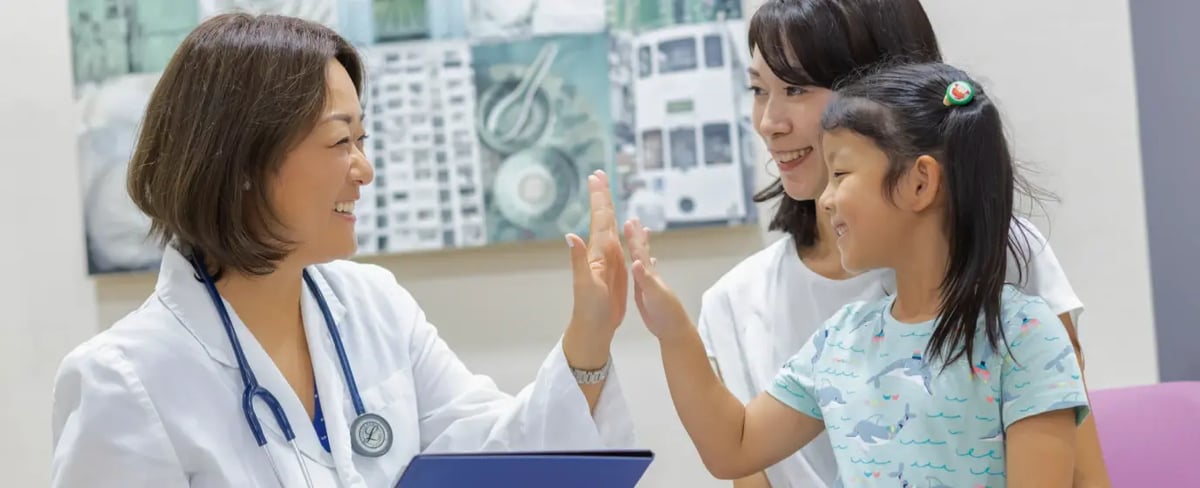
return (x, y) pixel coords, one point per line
(261, 358)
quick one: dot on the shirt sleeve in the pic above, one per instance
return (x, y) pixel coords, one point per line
(460, 410)
(704, 328)
(1044, 276)
(719, 331)
(795, 384)
(1040, 372)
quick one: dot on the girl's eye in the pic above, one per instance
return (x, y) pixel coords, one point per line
(839, 174)
(756, 91)
(794, 91)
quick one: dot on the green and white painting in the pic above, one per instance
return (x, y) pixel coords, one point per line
(486, 116)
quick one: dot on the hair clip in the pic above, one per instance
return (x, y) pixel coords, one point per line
(959, 93)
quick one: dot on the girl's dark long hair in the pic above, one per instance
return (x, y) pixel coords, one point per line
(901, 109)
(825, 42)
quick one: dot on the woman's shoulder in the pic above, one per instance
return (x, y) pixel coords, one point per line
(1042, 274)
(144, 335)
(1028, 237)
(751, 271)
(364, 280)
(143, 352)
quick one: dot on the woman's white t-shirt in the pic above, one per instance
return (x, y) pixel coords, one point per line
(763, 310)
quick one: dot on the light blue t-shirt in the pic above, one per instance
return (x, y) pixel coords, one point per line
(896, 420)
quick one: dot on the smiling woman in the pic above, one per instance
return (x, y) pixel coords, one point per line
(249, 164)
(286, 156)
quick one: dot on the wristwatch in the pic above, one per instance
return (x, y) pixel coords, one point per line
(592, 376)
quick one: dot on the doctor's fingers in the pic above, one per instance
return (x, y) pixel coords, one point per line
(603, 226)
(581, 269)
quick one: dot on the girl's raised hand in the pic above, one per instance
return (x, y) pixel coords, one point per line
(661, 310)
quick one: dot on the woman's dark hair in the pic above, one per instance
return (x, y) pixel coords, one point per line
(239, 93)
(826, 42)
(901, 109)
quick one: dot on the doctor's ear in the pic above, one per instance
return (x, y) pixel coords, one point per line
(923, 183)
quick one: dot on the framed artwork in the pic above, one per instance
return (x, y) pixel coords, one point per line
(486, 116)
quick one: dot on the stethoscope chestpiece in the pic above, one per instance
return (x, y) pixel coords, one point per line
(370, 435)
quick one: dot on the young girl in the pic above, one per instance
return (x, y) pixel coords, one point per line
(955, 380)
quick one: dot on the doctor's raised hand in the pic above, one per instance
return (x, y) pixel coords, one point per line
(263, 357)
(600, 282)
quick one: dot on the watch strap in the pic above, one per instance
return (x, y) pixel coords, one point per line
(592, 376)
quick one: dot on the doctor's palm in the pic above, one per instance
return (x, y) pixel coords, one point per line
(601, 280)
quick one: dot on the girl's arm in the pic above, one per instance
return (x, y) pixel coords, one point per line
(1046, 278)
(1043, 399)
(1090, 471)
(756, 480)
(1040, 450)
(733, 440)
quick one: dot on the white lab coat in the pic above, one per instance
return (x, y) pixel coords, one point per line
(155, 401)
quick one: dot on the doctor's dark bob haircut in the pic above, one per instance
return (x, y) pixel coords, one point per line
(240, 92)
(825, 43)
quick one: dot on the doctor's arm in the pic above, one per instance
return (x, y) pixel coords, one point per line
(106, 432)
(600, 286)
(461, 411)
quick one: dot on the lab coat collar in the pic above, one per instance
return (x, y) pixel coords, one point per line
(184, 294)
(181, 291)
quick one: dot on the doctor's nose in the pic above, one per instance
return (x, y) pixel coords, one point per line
(362, 173)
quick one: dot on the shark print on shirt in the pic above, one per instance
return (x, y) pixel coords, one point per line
(904, 420)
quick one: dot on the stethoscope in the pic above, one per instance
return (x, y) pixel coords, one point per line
(370, 434)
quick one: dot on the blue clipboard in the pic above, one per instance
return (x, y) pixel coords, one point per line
(575, 469)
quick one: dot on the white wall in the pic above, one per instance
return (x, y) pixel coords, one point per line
(1086, 148)
(1063, 74)
(46, 301)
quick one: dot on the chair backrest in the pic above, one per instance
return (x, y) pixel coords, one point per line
(1150, 434)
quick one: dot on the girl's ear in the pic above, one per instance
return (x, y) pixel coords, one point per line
(924, 183)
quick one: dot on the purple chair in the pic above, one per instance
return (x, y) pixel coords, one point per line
(1150, 434)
